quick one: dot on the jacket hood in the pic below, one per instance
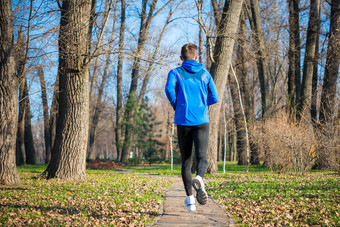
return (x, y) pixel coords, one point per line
(192, 66)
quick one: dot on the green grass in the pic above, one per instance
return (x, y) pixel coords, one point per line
(261, 197)
(105, 198)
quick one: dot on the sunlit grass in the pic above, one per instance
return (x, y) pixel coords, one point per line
(105, 198)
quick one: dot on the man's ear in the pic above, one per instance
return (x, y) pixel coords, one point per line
(195, 57)
(181, 58)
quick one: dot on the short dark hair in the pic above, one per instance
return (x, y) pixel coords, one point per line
(188, 51)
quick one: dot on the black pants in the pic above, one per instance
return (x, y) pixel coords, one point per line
(187, 135)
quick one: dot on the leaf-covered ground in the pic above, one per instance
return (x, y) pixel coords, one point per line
(106, 198)
(262, 198)
(267, 199)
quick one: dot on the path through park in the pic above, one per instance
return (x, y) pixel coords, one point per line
(174, 212)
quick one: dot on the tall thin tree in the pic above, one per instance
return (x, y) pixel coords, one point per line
(226, 34)
(328, 96)
(308, 64)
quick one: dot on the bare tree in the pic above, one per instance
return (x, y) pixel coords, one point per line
(226, 33)
(315, 72)
(294, 75)
(119, 81)
(8, 97)
(98, 105)
(306, 88)
(47, 136)
(261, 58)
(146, 18)
(332, 66)
(69, 149)
(26, 150)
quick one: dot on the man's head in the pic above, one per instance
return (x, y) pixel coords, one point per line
(189, 51)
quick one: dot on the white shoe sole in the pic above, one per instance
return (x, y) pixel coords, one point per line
(196, 184)
(201, 194)
(202, 197)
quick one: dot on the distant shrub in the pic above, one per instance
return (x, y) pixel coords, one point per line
(328, 150)
(283, 145)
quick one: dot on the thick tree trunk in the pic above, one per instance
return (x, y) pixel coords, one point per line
(31, 154)
(46, 115)
(305, 102)
(69, 149)
(119, 82)
(132, 98)
(261, 58)
(294, 76)
(227, 32)
(8, 97)
(332, 66)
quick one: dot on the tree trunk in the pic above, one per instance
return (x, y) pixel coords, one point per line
(69, 150)
(54, 111)
(294, 84)
(119, 81)
(132, 98)
(31, 154)
(8, 97)
(46, 115)
(241, 145)
(305, 102)
(332, 66)
(261, 58)
(227, 32)
(200, 39)
(21, 125)
(20, 67)
(315, 71)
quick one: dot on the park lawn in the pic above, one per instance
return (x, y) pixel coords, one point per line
(263, 198)
(105, 198)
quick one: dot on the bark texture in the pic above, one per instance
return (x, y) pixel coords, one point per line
(8, 97)
(227, 32)
(315, 72)
(294, 75)
(328, 96)
(261, 58)
(69, 149)
(308, 64)
(119, 82)
(31, 154)
(47, 136)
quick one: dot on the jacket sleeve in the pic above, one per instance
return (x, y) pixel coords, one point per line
(212, 92)
(170, 88)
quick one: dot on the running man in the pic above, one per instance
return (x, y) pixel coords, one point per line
(190, 90)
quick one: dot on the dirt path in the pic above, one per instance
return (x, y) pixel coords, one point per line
(175, 213)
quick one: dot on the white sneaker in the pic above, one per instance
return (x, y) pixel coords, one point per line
(201, 193)
(189, 202)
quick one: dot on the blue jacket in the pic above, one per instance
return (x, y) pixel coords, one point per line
(190, 90)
